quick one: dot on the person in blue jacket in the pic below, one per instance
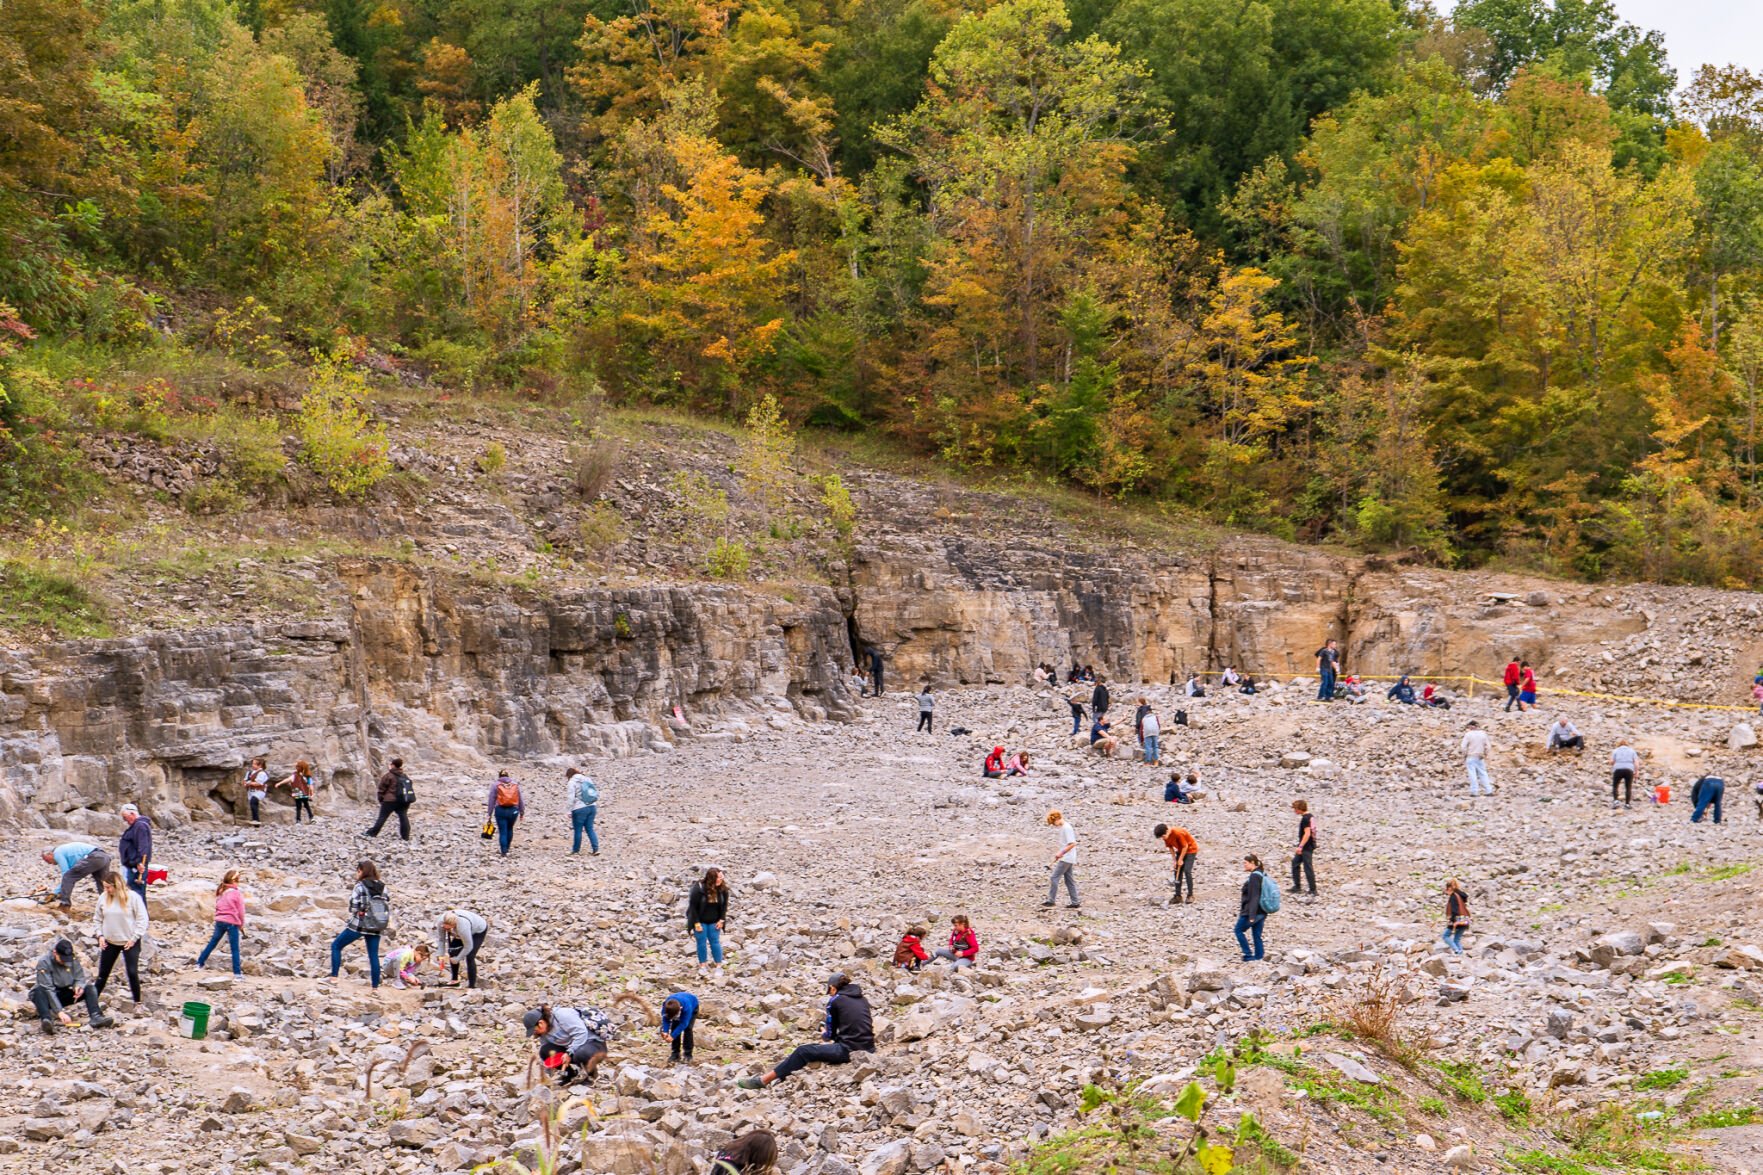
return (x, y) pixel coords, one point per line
(678, 1011)
(1402, 691)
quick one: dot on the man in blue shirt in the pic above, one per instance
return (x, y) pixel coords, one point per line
(76, 859)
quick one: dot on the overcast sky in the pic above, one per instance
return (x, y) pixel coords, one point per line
(1698, 32)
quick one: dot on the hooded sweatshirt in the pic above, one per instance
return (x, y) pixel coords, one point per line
(229, 906)
(569, 1031)
(848, 1021)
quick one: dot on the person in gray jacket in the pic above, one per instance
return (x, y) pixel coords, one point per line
(566, 1042)
(61, 982)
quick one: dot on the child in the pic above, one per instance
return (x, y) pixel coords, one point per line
(963, 946)
(299, 782)
(404, 964)
(926, 706)
(910, 954)
(994, 764)
(229, 919)
(677, 1013)
(750, 1154)
(1018, 764)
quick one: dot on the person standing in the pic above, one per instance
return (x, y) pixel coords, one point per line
(1625, 761)
(1514, 674)
(229, 920)
(1138, 719)
(1328, 664)
(1456, 915)
(1708, 791)
(370, 912)
(584, 800)
(1250, 915)
(848, 1029)
(926, 704)
(395, 793)
(1306, 849)
(1076, 702)
(1099, 698)
(875, 668)
(460, 934)
(256, 789)
(75, 860)
(706, 909)
(1475, 760)
(122, 923)
(60, 983)
(135, 849)
(299, 785)
(505, 805)
(1183, 848)
(1151, 731)
(1527, 687)
(1064, 861)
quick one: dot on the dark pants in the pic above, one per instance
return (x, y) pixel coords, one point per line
(924, 719)
(829, 1053)
(1302, 861)
(1185, 873)
(458, 953)
(386, 809)
(44, 1002)
(1077, 717)
(1576, 743)
(222, 930)
(875, 671)
(1325, 691)
(95, 865)
(1712, 794)
(1254, 925)
(684, 1038)
(582, 820)
(373, 952)
(254, 802)
(131, 960)
(506, 815)
(303, 804)
(1622, 778)
(1511, 695)
(583, 1060)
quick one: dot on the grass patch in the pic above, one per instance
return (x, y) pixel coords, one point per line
(1547, 1163)
(1662, 1079)
(1514, 1106)
(1728, 872)
(1463, 1079)
(1726, 1116)
(1433, 1105)
(33, 598)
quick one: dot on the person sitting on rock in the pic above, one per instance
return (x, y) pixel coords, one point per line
(1104, 743)
(75, 860)
(678, 1012)
(405, 964)
(1351, 689)
(910, 954)
(60, 983)
(753, 1153)
(1248, 686)
(963, 948)
(994, 764)
(848, 1029)
(1402, 691)
(1018, 764)
(1193, 688)
(1430, 696)
(1563, 736)
(1230, 678)
(566, 1044)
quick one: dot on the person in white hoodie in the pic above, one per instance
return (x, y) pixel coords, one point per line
(1475, 760)
(122, 925)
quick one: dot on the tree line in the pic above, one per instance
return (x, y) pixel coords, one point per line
(1483, 288)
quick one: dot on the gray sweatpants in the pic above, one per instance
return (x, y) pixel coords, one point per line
(95, 866)
(1062, 869)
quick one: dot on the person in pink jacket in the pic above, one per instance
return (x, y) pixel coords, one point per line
(229, 919)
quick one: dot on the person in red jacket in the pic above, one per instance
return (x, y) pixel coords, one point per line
(1513, 673)
(963, 946)
(994, 768)
(911, 954)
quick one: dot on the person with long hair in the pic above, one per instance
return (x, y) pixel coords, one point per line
(706, 908)
(753, 1153)
(122, 924)
(299, 784)
(1250, 915)
(365, 902)
(1456, 915)
(229, 919)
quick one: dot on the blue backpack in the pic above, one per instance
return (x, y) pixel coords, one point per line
(588, 791)
(1269, 895)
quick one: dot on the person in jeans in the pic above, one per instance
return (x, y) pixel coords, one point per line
(1076, 702)
(460, 934)
(1513, 675)
(584, 805)
(1475, 760)
(1149, 731)
(361, 926)
(75, 860)
(394, 786)
(1456, 916)
(848, 1029)
(1064, 861)
(1624, 762)
(256, 789)
(1183, 848)
(1306, 848)
(61, 983)
(1250, 915)
(1328, 664)
(229, 919)
(505, 805)
(122, 924)
(135, 849)
(706, 908)
(299, 785)
(1708, 791)
(963, 948)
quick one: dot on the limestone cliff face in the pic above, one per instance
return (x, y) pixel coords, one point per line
(408, 667)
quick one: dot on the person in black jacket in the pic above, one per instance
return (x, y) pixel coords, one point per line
(848, 1030)
(1099, 698)
(393, 794)
(706, 908)
(1250, 915)
(135, 849)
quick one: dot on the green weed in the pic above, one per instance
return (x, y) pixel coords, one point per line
(31, 597)
(1662, 1079)
(1462, 1078)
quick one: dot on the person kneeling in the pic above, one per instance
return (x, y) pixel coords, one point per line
(61, 982)
(848, 1030)
(566, 1043)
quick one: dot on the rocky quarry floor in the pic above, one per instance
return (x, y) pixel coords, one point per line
(1605, 1017)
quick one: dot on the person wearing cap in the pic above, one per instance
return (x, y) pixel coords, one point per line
(506, 805)
(76, 859)
(135, 849)
(848, 1029)
(61, 983)
(566, 1043)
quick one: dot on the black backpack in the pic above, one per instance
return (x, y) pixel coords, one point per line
(406, 789)
(1181, 717)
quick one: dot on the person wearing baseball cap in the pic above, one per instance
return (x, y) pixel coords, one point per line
(61, 982)
(566, 1042)
(848, 1029)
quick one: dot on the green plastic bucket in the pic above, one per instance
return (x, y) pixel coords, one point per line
(194, 1021)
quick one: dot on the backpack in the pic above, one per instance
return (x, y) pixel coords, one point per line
(1181, 717)
(507, 794)
(598, 1023)
(1269, 895)
(406, 789)
(587, 791)
(378, 914)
